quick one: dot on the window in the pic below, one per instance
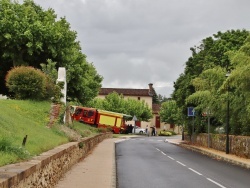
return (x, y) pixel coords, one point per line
(91, 113)
(78, 111)
(85, 113)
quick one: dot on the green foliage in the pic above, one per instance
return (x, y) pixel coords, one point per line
(170, 113)
(116, 103)
(50, 70)
(84, 130)
(7, 146)
(26, 83)
(30, 36)
(155, 97)
(204, 85)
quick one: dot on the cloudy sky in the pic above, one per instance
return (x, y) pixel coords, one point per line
(135, 42)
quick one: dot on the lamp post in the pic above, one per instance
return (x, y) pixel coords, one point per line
(227, 124)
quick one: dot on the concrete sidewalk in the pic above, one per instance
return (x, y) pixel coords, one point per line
(98, 169)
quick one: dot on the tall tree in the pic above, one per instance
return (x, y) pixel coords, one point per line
(211, 54)
(30, 36)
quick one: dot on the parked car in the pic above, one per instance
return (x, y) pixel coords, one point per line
(139, 130)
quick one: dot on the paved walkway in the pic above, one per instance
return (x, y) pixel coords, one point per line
(98, 169)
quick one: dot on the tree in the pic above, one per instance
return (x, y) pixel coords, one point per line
(30, 36)
(170, 113)
(155, 97)
(239, 90)
(116, 103)
(204, 74)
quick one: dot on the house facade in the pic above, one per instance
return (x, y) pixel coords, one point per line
(140, 94)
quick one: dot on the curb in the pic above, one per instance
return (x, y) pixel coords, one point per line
(216, 156)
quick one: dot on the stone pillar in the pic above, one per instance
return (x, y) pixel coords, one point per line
(62, 78)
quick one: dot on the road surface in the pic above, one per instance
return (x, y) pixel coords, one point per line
(150, 162)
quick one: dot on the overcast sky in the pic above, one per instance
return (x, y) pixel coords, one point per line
(136, 42)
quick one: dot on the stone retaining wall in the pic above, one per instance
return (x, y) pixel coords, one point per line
(46, 169)
(238, 145)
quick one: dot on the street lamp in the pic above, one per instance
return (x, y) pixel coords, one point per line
(227, 125)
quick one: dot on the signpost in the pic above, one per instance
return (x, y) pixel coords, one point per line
(208, 113)
(191, 113)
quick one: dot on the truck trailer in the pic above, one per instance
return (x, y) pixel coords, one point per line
(101, 118)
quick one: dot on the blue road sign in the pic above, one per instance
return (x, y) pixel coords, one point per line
(191, 111)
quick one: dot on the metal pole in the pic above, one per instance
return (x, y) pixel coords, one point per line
(208, 131)
(193, 131)
(182, 132)
(227, 126)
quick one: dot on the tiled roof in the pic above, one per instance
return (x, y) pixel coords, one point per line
(125, 92)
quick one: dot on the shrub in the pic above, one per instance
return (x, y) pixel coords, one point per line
(26, 83)
(165, 133)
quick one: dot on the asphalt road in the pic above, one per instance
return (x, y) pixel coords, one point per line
(149, 162)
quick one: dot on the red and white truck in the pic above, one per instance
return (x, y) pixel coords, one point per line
(101, 118)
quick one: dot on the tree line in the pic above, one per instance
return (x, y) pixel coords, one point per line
(215, 74)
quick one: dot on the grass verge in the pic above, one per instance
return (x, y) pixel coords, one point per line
(19, 118)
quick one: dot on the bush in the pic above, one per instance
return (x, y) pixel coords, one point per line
(165, 133)
(26, 83)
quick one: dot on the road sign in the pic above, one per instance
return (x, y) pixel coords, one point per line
(191, 111)
(134, 118)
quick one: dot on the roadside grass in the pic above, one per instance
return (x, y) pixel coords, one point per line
(84, 130)
(19, 118)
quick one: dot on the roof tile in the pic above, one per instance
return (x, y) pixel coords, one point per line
(125, 92)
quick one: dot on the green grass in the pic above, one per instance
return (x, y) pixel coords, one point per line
(19, 118)
(84, 130)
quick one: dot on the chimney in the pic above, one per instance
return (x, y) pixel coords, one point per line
(150, 90)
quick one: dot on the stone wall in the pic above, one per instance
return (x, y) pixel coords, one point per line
(238, 145)
(46, 169)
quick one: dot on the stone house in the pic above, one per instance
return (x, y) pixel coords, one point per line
(140, 94)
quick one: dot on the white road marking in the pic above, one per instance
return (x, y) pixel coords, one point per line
(163, 153)
(216, 183)
(170, 158)
(195, 171)
(180, 163)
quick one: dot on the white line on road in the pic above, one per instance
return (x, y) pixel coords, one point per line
(170, 158)
(216, 183)
(195, 171)
(180, 163)
(163, 153)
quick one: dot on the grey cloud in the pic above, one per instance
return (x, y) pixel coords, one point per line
(136, 42)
